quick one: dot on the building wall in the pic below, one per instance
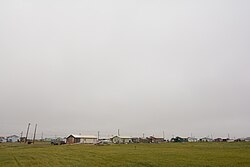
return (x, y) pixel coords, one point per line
(192, 140)
(117, 140)
(2, 140)
(126, 140)
(12, 139)
(90, 141)
(70, 140)
(206, 140)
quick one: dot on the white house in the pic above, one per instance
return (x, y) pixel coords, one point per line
(247, 139)
(2, 139)
(12, 138)
(71, 139)
(206, 139)
(192, 139)
(121, 139)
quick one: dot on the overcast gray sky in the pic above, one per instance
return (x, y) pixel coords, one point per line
(143, 66)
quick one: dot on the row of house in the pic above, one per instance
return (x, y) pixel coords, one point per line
(190, 139)
(73, 139)
(87, 139)
(207, 139)
(12, 138)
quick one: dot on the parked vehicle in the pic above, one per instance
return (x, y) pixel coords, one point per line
(57, 141)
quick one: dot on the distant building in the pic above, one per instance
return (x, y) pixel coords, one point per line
(230, 140)
(206, 139)
(153, 139)
(144, 140)
(71, 139)
(179, 139)
(192, 139)
(136, 139)
(218, 140)
(2, 139)
(121, 139)
(239, 140)
(225, 140)
(104, 140)
(247, 139)
(12, 138)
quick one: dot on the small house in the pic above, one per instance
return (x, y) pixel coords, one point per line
(218, 140)
(135, 139)
(239, 140)
(179, 139)
(72, 139)
(247, 139)
(192, 139)
(121, 139)
(153, 139)
(2, 139)
(12, 138)
(206, 139)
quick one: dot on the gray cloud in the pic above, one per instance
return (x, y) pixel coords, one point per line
(140, 66)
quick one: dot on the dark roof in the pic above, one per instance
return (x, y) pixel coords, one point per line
(13, 136)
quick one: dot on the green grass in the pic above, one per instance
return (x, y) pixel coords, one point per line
(149, 155)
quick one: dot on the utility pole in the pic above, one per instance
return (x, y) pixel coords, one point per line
(143, 136)
(21, 136)
(98, 135)
(118, 132)
(42, 136)
(34, 137)
(26, 138)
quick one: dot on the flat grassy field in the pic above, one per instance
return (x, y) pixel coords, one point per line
(134, 155)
